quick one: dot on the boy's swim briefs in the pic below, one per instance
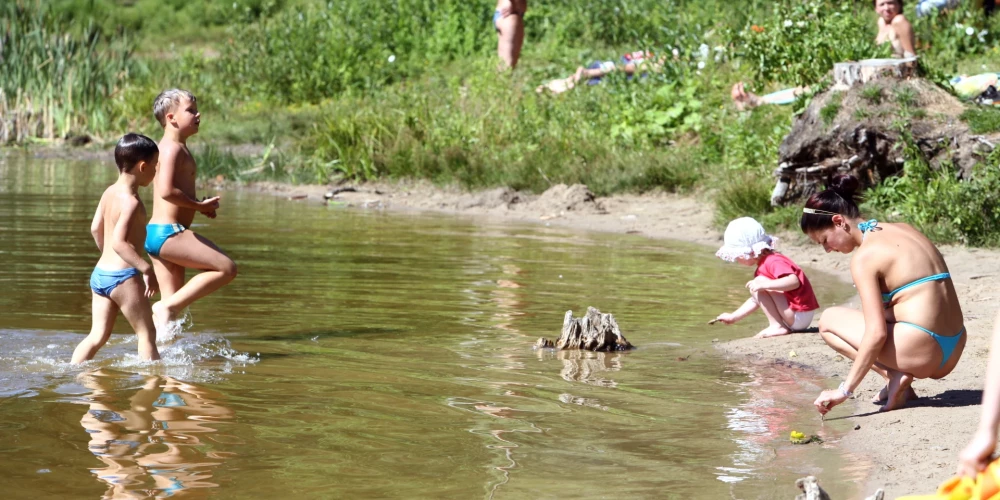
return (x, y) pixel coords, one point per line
(157, 234)
(103, 281)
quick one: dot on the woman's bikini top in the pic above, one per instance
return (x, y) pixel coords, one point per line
(872, 225)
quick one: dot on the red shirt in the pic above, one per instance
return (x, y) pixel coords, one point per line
(774, 266)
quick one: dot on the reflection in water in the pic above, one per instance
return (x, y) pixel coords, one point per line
(584, 366)
(154, 443)
(775, 396)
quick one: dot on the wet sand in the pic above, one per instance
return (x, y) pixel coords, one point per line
(913, 449)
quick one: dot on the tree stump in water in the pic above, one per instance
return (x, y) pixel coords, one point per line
(849, 74)
(595, 331)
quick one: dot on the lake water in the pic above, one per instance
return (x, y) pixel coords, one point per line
(365, 354)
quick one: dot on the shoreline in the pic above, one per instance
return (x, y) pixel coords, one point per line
(929, 432)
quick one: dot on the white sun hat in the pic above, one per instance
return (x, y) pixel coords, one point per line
(744, 237)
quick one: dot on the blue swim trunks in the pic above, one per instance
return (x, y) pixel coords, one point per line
(157, 234)
(102, 281)
(496, 18)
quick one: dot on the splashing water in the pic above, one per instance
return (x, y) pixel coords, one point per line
(34, 360)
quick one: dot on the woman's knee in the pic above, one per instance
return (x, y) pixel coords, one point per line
(828, 320)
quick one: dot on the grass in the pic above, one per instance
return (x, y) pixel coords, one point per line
(831, 109)
(906, 97)
(982, 120)
(872, 94)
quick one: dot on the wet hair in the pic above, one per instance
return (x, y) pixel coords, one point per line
(166, 101)
(900, 2)
(839, 197)
(133, 148)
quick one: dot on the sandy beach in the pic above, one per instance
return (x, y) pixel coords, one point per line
(914, 449)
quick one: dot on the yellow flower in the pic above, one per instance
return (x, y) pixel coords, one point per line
(797, 435)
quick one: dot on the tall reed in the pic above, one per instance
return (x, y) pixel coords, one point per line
(56, 83)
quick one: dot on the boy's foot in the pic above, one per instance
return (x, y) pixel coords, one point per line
(161, 315)
(772, 331)
(883, 395)
(899, 386)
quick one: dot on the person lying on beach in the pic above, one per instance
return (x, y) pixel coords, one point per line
(893, 28)
(508, 21)
(630, 64)
(910, 324)
(170, 242)
(123, 280)
(779, 287)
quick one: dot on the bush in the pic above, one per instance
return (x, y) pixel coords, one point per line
(941, 205)
(800, 43)
(307, 54)
(946, 37)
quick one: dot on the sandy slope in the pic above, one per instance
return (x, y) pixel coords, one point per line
(914, 449)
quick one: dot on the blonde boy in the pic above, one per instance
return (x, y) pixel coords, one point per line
(122, 279)
(170, 243)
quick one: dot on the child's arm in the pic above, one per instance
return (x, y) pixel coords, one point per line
(120, 244)
(782, 284)
(745, 310)
(164, 186)
(976, 455)
(97, 226)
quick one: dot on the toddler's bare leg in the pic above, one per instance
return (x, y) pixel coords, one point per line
(779, 316)
(104, 313)
(135, 307)
(193, 251)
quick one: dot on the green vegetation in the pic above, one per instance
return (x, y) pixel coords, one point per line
(982, 120)
(802, 41)
(946, 208)
(872, 94)
(54, 84)
(363, 89)
(831, 109)
(905, 97)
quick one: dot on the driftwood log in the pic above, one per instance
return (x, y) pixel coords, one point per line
(595, 331)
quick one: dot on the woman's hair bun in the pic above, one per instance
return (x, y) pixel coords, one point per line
(844, 185)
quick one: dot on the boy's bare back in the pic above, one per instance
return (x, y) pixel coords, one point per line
(116, 202)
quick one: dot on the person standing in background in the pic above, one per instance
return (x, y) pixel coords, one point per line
(508, 20)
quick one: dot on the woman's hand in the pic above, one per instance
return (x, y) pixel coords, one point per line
(828, 399)
(976, 455)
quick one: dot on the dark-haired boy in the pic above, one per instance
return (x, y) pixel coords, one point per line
(123, 280)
